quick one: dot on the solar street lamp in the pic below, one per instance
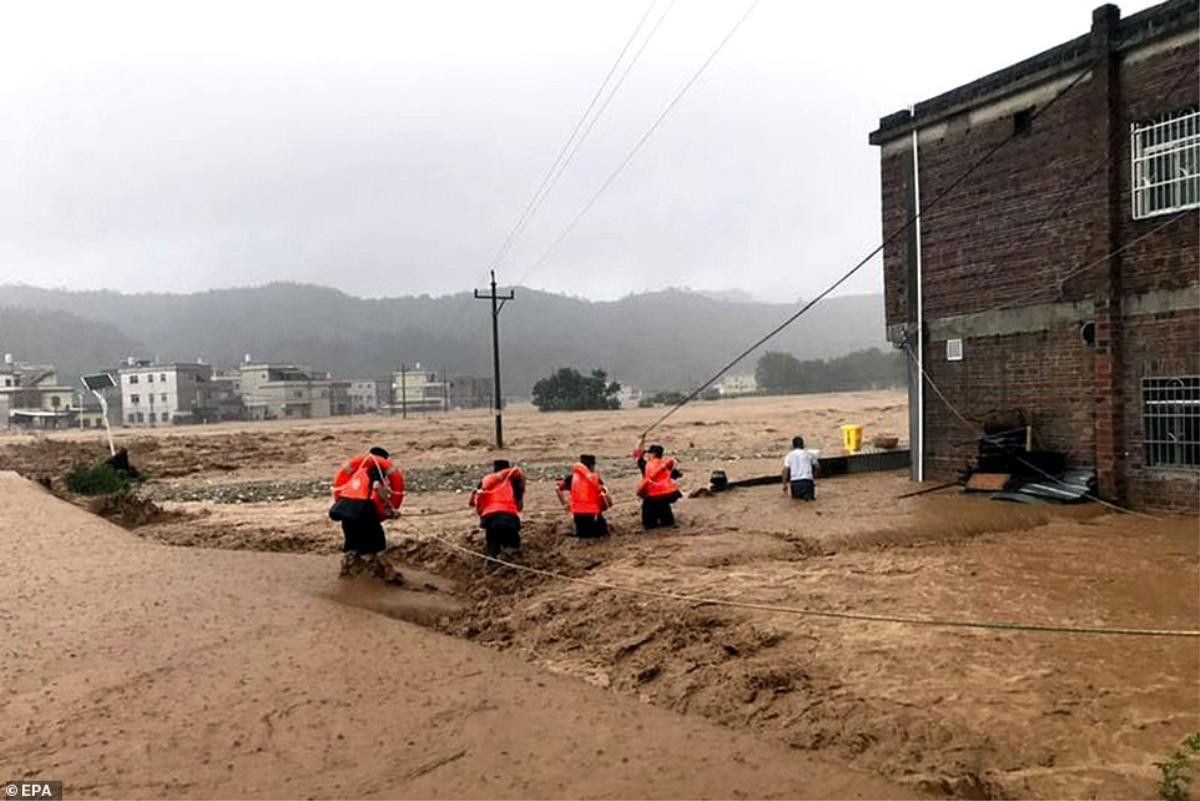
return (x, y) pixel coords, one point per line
(97, 383)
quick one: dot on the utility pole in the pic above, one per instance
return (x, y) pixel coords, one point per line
(403, 392)
(493, 297)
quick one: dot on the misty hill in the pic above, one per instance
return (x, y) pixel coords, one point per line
(659, 340)
(75, 345)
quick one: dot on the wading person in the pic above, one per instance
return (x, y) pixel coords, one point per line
(367, 490)
(584, 495)
(798, 468)
(498, 500)
(657, 488)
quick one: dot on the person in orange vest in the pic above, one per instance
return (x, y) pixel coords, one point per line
(583, 494)
(499, 500)
(657, 488)
(367, 490)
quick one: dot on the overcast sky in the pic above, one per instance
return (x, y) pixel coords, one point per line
(388, 147)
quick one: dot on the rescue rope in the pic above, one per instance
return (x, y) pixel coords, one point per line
(876, 251)
(825, 613)
(938, 391)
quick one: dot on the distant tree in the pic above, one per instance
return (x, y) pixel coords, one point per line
(569, 390)
(778, 372)
(669, 398)
(863, 369)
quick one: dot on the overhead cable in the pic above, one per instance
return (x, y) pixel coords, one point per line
(641, 142)
(566, 152)
(941, 195)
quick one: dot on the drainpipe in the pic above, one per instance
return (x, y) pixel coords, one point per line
(919, 455)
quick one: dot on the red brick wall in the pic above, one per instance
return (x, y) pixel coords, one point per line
(1008, 236)
(1047, 374)
(1170, 258)
(1157, 345)
(894, 185)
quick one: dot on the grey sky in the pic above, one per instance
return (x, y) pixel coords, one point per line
(387, 147)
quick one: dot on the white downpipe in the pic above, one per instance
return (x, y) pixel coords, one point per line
(920, 449)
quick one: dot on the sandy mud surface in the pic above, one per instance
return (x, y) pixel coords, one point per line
(957, 711)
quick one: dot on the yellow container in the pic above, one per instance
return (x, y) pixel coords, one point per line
(852, 438)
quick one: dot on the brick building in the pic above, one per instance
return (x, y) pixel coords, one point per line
(1061, 277)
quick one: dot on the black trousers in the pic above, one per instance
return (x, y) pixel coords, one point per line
(804, 489)
(657, 512)
(501, 530)
(363, 536)
(590, 526)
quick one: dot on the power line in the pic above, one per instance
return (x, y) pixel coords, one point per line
(862, 262)
(600, 112)
(550, 177)
(640, 142)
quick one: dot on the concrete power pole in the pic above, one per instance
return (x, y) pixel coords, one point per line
(493, 297)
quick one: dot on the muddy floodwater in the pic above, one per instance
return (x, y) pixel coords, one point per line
(942, 710)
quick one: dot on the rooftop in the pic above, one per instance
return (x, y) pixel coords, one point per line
(1163, 19)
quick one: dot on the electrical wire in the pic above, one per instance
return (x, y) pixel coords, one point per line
(565, 153)
(941, 195)
(641, 142)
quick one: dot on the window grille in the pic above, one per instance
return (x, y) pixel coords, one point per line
(1171, 421)
(1166, 164)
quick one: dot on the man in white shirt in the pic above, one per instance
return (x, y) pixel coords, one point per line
(798, 467)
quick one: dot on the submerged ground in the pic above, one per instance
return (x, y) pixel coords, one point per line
(942, 710)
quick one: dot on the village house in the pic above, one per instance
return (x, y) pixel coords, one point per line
(1059, 278)
(31, 397)
(284, 391)
(164, 394)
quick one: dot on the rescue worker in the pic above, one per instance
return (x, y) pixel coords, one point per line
(499, 500)
(657, 488)
(583, 494)
(367, 490)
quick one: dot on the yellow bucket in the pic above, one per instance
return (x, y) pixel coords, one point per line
(852, 438)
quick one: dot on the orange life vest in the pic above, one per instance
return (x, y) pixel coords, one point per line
(496, 494)
(353, 481)
(588, 496)
(656, 481)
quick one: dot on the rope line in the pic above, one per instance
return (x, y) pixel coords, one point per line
(825, 613)
(876, 251)
(938, 391)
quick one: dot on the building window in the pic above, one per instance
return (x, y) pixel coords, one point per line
(1166, 164)
(1171, 421)
(135, 398)
(163, 397)
(151, 417)
(132, 419)
(150, 378)
(162, 377)
(55, 401)
(140, 419)
(133, 379)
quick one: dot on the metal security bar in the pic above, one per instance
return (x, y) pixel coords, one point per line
(1171, 421)
(1166, 164)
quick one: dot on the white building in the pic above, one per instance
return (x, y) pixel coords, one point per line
(417, 390)
(732, 385)
(364, 397)
(164, 394)
(282, 391)
(30, 396)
